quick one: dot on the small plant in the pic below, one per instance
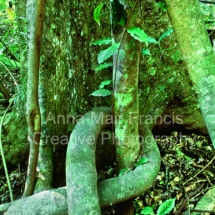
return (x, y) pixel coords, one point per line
(118, 17)
(163, 209)
(101, 91)
(114, 48)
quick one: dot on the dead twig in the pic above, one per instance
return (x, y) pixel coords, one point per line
(189, 196)
(199, 171)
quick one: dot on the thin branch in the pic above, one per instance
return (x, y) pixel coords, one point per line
(199, 171)
(35, 15)
(8, 49)
(3, 157)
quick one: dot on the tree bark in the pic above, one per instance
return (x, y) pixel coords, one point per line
(54, 95)
(81, 173)
(35, 15)
(126, 101)
(188, 24)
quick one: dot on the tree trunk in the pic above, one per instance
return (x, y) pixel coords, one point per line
(197, 53)
(54, 95)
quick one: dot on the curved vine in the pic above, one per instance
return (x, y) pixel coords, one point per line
(82, 186)
(81, 175)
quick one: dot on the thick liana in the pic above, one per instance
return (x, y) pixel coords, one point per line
(80, 190)
(81, 175)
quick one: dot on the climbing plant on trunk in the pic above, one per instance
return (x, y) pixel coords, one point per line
(125, 88)
(35, 15)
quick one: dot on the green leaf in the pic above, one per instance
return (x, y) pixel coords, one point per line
(104, 83)
(146, 210)
(206, 10)
(146, 52)
(166, 207)
(97, 13)
(105, 54)
(101, 92)
(162, 6)
(165, 34)
(140, 35)
(124, 171)
(187, 158)
(151, 40)
(103, 66)
(11, 100)
(152, 71)
(179, 152)
(10, 63)
(141, 162)
(102, 41)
